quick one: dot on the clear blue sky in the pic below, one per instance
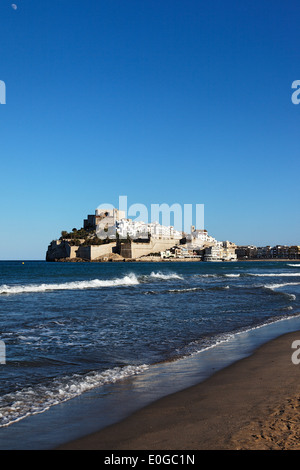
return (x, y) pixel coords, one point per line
(165, 101)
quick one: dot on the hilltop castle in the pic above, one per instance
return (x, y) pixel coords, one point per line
(108, 235)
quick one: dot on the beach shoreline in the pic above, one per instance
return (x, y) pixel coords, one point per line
(253, 403)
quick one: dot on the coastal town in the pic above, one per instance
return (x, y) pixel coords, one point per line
(108, 235)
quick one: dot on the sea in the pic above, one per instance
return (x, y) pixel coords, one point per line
(87, 344)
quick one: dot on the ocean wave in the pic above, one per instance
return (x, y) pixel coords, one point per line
(274, 274)
(285, 284)
(219, 276)
(222, 275)
(33, 400)
(274, 287)
(165, 276)
(186, 290)
(294, 265)
(207, 275)
(247, 274)
(174, 291)
(128, 280)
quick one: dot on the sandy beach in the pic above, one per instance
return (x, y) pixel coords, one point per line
(252, 404)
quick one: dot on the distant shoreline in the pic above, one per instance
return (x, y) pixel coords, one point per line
(149, 259)
(273, 259)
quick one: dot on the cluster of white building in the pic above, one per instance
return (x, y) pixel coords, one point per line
(200, 238)
(109, 223)
(138, 229)
(211, 248)
(198, 244)
(112, 224)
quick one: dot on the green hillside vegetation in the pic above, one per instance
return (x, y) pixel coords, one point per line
(83, 237)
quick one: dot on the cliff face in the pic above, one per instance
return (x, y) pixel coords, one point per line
(58, 249)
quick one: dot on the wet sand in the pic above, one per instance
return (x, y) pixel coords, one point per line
(252, 404)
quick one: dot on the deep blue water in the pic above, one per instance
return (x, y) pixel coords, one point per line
(72, 327)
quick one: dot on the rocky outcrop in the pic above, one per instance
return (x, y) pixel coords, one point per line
(60, 249)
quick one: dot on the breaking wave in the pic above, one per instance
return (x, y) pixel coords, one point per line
(129, 280)
(277, 286)
(165, 276)
(274, 287)
(274, 274)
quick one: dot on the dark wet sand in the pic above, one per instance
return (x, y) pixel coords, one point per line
(252, 404)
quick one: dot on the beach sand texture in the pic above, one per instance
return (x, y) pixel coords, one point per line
(252, 404)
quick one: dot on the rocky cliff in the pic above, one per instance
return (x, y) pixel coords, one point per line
(59, 249)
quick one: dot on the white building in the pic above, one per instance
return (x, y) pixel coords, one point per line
(199, 239)
(138, 229)
(223, 251)
(111, 225)
(162, 231)
(132, 229)
(213, 253)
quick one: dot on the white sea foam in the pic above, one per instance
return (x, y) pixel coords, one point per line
(188, 289)
(206, 275)
(232, 275)
(274, 274)
(294, 265)
(277, 286)
(131, 279)
(37, 399)
(165, 276)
